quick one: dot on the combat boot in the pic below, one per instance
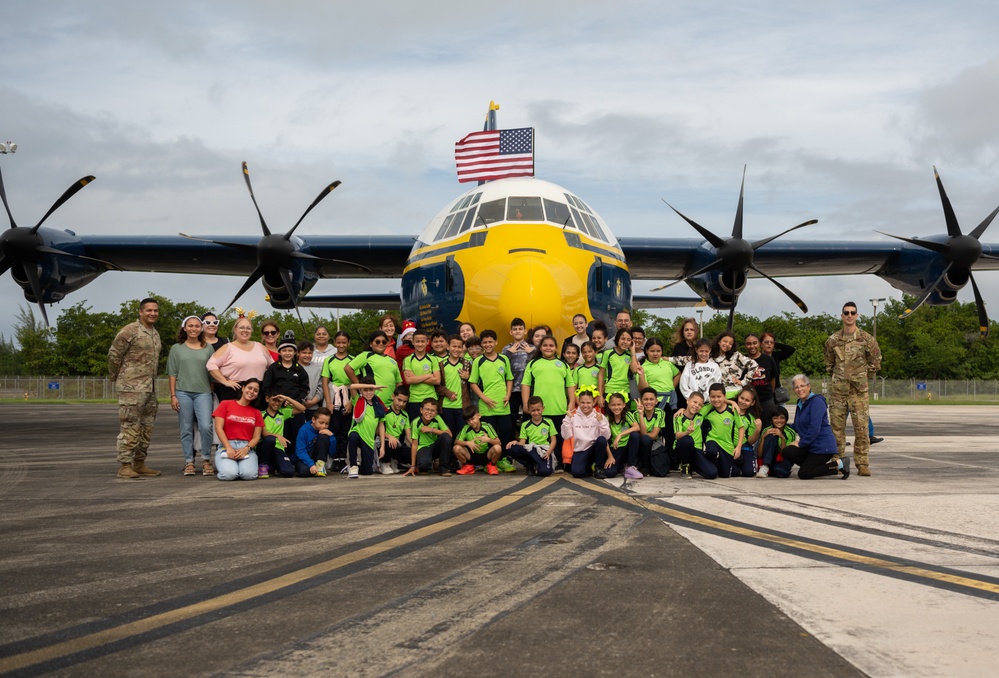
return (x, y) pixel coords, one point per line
(140, 469)
(126, 472)
(862, 470)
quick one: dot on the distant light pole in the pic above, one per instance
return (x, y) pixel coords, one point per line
(700, 323)
(875, 302)
(9, 147)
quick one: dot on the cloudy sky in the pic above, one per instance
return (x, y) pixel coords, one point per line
(839, 110)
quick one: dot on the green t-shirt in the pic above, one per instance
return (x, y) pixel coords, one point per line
(615, 428)
(749, 421)
(725, 426)
(660, 375)
(274, 424)
(549, 380)
(790, 436)
(424, 439)
(492, 376)
(428, 364)
(396, 424)
(616, 373)
(188, 365)
(384, 369)
(586, 376)
(538, 434)
(681, 423)
(658, 420)
(367, 427)
(468, 434)
(452, 382)
(333, 369)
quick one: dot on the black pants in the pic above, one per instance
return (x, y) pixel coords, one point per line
(319, 452)
(811, 465)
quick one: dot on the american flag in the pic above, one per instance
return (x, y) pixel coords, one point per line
(495, 154)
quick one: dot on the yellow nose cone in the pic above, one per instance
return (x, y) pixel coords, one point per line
(529, 286)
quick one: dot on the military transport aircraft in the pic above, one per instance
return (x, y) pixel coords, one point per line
(511, 247)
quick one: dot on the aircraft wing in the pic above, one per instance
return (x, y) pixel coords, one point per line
(382, 256)
(673, 258)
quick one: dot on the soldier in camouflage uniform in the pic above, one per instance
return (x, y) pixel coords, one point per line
(852, 357)
(133, 362)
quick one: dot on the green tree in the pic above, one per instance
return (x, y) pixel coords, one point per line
(37, 350)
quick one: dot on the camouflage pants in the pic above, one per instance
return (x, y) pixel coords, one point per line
(856, 405)
(136, 414)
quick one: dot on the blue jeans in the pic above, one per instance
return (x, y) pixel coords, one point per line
(233, 469)
(194, 408)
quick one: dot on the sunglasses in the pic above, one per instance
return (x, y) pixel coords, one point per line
(210, 322)
(379, 342)
(269, 333)
(849, 313)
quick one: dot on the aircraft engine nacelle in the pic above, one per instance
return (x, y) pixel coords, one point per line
(58, 275)
(719, 289)
(914, 271)
(277, 293)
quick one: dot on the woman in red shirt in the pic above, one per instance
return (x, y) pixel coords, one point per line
(238, 424)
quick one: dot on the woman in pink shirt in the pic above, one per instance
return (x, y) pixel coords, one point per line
(237, 361)
(589, 430)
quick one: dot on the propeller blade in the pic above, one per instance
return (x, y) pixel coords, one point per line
(760, 243)
(235, 245)
(67, 194)
(4, 265)
(246, 176)
(990, 256)
(926, 295)
(953, 229)
(790, 295)
(731, 315)
(51, 250)
(737, 226)
(980, 229)
(36, 288)
(257, 274)
(3, 195)
(304, 255)
(319, 198)
(715, 241)
(288, 286)
(938, 247)
(983, 317)
(713, 265)
(286, 277)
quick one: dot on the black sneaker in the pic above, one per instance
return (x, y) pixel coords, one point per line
(875, 440)
(685, 471)
(846, 467)
(599, 474)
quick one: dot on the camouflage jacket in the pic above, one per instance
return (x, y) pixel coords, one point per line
(134, 358)
(852, 359)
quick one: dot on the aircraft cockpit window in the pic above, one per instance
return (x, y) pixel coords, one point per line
(463, 203)
(524, 209)
(452, 229)
(492, 211)
(467, 221)
(475, 199)
(593, 227)
(574, 201)
(558, 213)
(442, 233)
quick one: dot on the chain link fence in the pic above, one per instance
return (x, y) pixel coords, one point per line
(100, 388)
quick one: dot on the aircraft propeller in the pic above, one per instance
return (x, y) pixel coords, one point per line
(275, 251)
(960, 252)
(24, 247)
(735, 254)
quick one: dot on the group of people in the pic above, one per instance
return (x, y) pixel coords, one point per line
(608, 401)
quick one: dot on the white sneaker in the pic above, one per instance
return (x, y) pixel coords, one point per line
(386, 469)
(394, 465)
(352, 472)
(763, 472)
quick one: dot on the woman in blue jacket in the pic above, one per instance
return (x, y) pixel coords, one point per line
(816, 446)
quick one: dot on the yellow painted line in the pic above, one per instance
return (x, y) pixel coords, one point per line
(870, 561)
(117, 633)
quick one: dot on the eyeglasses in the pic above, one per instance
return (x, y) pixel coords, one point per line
(849, 313)
(379, 342)
(269, 333)
(210, 322)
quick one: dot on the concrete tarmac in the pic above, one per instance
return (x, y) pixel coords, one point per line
(897, 574)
